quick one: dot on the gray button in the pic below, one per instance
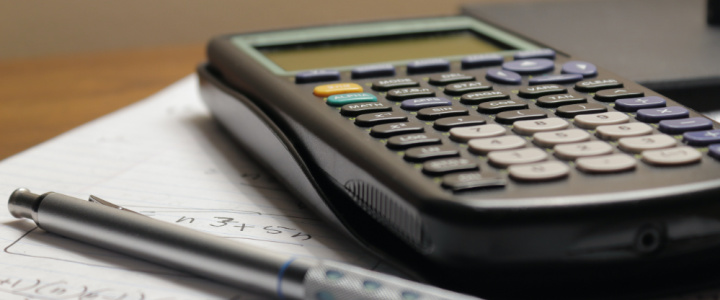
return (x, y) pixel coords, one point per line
(473, 132)
(648, 142)
(533, 126)
(552, 138)
(573, 151)
(674, 156)
(505, 142)
(514, 157)
(606, 118)
(614, 132)
(607, 163)
(540, 171)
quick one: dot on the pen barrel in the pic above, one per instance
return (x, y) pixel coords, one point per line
(226, 261)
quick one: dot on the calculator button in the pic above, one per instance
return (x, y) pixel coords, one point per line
(432, 113)
(466, 87)
(390, 129)
(541, 90)
(577, 150)
(614, 132)
(448, 165)
(539, 172)
(408, 93)
(471, 180)
(430, 152)
(481, 60)
(389, 84)
(702, 138)
(379, 118)
(493, 107)
(509, 117)
(505, 142)
(714, 150)
(633, 104)
(653, 115)
(373, 71)
(682, 125)
(448, 123)
(317, 76)
(648, 142)
(419, 103)
(561, 78)
(529, 66)
(463, 134)
(606, 164)
(569, 111)
(540, 125)
(479, 97)
(597, 84)
(583, 68)
(336, 88)
(412, 140)
(342, 99)
(559, 100)
(594, 120)
(503, 76)
(537, 53)
(552, 138)
(614, 94)
(355, 109)
(515, 157)
(443, 79)
(428, 65)
(675, 156)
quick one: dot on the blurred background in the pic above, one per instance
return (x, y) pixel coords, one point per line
(63, 63)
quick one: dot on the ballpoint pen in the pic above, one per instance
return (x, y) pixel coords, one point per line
(110, 226)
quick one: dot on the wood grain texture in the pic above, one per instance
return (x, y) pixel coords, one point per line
(43, 97)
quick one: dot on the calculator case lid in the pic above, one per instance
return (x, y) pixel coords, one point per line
(665, 45)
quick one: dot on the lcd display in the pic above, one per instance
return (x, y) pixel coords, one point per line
(339, 53)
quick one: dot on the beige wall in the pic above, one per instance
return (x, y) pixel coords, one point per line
(31, 28)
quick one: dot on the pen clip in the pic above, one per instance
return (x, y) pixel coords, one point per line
(98, 200)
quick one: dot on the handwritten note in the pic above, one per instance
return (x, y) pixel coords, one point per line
(166, 158)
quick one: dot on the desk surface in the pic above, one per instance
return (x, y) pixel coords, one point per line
(43, 97)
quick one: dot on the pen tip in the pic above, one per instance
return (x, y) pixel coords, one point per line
(23, 204)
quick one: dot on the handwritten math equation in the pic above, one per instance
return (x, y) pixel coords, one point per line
(237, 225)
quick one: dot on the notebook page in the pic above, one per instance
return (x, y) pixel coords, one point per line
(166, 158)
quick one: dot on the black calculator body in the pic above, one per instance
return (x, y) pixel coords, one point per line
(474, 156)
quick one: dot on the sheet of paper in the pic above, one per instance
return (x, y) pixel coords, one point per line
(164, 157)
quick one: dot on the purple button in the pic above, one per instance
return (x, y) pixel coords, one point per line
(482, 60)
(418, 103)
(502, 76)
(428, 65)
(538, 53)
(659, 114)
(683, 125)
(529, 66)
(563, 78)
(317, 76)
(701, 138)
(373, 71)
(633, 104)
(583, 68)
(714, 150)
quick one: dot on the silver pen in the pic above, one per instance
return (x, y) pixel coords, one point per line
(104, 224)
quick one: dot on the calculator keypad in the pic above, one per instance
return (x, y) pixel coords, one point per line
(523, 118)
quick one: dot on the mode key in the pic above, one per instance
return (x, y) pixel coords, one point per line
(389, 84)
(541, 90)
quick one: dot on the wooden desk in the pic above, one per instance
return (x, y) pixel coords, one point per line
(43, 97)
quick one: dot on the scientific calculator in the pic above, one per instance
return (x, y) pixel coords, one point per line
(463, 151)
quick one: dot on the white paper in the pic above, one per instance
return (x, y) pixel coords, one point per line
(165, 157)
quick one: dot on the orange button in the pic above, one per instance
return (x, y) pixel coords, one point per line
(337, 88)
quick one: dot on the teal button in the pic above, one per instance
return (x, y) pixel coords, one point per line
(342, 99)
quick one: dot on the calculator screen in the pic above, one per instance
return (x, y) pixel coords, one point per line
(371, 50)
